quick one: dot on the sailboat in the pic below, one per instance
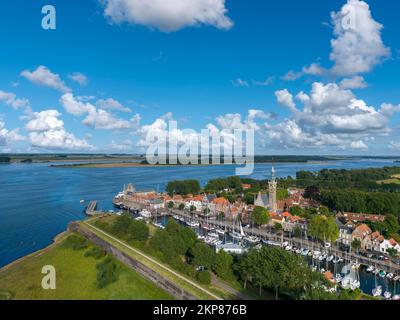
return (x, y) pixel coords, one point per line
(377, 291)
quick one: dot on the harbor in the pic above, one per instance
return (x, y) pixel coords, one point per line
(347, 270)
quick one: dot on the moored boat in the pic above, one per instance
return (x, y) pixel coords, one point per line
(377, 291)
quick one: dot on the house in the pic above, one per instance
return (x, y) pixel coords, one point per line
(221, 205)
(345, 231)
(156, 204)
(246, 186)
(196, 201)
(362, 233)
(360, 217)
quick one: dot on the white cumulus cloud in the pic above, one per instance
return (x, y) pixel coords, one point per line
(42, 76)
(168, 15)
(12, 100)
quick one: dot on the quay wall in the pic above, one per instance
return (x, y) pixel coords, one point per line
(137, 266)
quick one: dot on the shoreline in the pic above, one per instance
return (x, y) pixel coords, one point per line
(56, 240)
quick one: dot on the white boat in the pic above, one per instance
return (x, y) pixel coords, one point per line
(329, 258)
(200, 237)
(218, 243)
(322, 257)
(288, 247)
(139, 218)
(193, 224)
(355, 265)
(396, 278)
(145, 214)
(376, 292)
(376, 271)
(355, 285)
(338, 278)
(310, 253)
(387, 295)
(370, 269)
(213, 234)
(207, 227)
(235, 235)
(82, 201)
(220, 232)
(159, 225)
(305, 252)
(390, 276)
(396, 297)
(346, 283)
(298, 251)
(252, 239)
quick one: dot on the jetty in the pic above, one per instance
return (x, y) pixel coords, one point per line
(91, 209)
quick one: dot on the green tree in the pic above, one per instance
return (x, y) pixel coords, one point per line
(138, 230)
(323, 228)
(298, 232)
(356, 244)
(392, 252)
(181, 206)
(203, 255)
(170, 205)
(296, 211)
(260, 216)
(121, 225)
(223, 265)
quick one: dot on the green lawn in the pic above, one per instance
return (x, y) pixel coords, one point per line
(389, 181)
(76, 279)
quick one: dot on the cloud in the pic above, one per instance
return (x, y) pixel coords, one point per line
(11, 100)
(79, 78)
(122, 146)
(357, 46)
(292, 76)
(394, 145)
(112, 104)
(168, 15)
(101, 119)
(356, 82)
(47, 131)
(240, 83)
(96, 118)
(9, 136)
(42, 76)
(267, 82)
(285, 98)
(330, 116)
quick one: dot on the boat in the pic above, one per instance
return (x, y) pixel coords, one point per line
(322, 257)
(396, 297)
(235, 235)
(376, 271)
(329, 258)
(145, 214)
(82, 201)
(305, 252)
(193, 224)
(390, 276)
(382, 274)
(387, 295)
(252, 239)
(370, 269)
(220, 232)
(213, 234)
(207, 227)
(338, 278)
(288, 247)
(298, 251)
(377, 291)
(396, 278)
(355, 285)
(139, 218)
(159, 225)
(346, 283)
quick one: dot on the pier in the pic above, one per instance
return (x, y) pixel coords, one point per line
(91, 209)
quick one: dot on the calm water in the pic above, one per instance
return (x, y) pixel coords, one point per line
(37, 202)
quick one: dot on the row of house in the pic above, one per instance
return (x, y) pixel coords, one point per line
(288, 221)
(372, 241)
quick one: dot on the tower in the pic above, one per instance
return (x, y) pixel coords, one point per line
(272, 186)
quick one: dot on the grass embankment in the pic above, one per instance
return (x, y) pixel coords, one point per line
(76, 278)
(394, 179)
(200, 291)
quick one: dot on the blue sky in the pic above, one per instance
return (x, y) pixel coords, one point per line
(202, 68)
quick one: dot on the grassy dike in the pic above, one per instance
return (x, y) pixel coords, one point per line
(202, 292)
(75, 276)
